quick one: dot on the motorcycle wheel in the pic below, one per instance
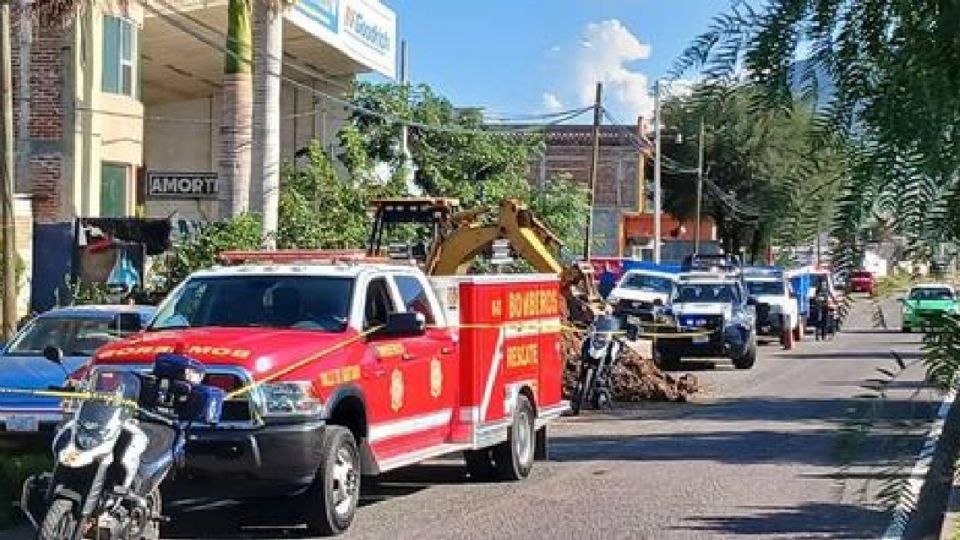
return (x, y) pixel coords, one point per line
(59, 523)
(152, 529)
(586, 380)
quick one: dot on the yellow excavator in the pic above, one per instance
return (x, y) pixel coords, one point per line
(457, 238)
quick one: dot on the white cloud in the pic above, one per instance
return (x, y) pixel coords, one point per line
(607, 52)
(551, 102)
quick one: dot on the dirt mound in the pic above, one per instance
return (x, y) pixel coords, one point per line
(633, 379)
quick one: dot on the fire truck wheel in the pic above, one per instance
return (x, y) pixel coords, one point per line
(335, 492)
(480, 465)
(514, 457)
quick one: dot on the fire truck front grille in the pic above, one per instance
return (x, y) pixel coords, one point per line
(234, 410)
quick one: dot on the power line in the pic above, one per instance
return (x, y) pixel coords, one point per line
(389, 118)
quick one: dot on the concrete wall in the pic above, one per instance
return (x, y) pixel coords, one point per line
(184, 136)
(23, 240)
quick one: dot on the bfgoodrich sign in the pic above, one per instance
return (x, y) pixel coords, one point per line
(182, 185)
(364, 30)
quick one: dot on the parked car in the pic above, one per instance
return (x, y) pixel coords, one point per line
(925, 300)
(77, 331)
(638, 291)
(862, 281)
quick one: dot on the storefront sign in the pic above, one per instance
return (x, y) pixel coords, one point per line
(364, 30)
(182, 185)
(322, 12)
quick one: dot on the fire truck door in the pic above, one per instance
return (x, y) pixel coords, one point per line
(429, 364)
(383, 378)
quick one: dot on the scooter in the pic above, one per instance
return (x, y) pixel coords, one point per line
(120, 445)
(598, 355)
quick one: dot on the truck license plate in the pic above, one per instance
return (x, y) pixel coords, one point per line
(23, 424)
(701, 339)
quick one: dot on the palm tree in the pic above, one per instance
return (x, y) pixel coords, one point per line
(268, 55)
(236, 137)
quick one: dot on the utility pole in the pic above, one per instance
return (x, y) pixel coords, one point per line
(404, 130)
(657, 202)
(6, 176)
(594, 165)
(696, 242)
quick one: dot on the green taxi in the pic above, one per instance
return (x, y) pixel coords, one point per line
(925, 300)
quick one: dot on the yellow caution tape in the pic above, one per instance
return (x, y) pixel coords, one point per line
(297, 365)
(111, 399)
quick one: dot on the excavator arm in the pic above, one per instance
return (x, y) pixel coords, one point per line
(529, 237)
(526, 235)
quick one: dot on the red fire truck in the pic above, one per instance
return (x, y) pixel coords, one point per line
(346, 368)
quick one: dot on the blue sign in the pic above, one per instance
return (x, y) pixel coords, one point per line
(323, 12)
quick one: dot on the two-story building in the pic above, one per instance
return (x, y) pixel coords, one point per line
(130, 91)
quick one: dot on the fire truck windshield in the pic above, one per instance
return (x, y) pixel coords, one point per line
(301, 302)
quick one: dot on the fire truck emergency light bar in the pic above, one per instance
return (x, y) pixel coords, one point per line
(300, 256)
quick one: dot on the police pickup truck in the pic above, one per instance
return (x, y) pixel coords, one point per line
(715, 308)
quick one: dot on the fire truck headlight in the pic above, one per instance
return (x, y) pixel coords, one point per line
(291, 398)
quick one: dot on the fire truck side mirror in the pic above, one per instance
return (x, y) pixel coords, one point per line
(404, 324)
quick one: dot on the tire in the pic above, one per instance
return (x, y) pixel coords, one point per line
(747, 360)
(586, 379)
(59, 523)
(480, 464)
(787, 337)
(335, 493)
(514, 458)
(152, 532)
(669, 362)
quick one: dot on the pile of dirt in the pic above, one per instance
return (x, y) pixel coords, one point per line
(633, 379)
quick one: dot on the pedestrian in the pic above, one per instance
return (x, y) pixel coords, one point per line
(608, 280)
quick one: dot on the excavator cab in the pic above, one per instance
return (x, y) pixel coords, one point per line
(453, 239)
(433, 215)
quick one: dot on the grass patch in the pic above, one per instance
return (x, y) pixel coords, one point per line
(15, 467)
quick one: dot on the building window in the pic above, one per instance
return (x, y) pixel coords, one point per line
(119, 39)
(113, 190)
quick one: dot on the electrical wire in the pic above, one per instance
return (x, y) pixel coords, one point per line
(675, 167)
(389, 118)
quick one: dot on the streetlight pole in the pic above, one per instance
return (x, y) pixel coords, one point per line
(594, 165)
(6, 176)
(657, 202)
(696, 242)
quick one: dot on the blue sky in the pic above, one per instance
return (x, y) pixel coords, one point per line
(529, 56)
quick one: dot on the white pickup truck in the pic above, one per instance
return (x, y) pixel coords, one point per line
(777, 311)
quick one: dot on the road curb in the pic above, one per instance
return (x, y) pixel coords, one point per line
(904, 509)
(949, 531)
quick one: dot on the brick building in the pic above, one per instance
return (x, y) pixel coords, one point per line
(623, 195)
(132, 88)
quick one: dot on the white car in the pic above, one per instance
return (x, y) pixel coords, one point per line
(638, 291)
(777, 309)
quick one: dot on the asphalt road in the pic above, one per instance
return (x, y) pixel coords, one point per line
(760, 454)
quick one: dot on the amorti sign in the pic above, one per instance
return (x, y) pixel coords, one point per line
(182, 185)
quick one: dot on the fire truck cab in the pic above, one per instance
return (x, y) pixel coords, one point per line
(345, 369)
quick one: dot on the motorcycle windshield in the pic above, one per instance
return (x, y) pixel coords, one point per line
(100, 418)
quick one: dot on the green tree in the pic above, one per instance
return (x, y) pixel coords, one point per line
(319, 210)
(768, 181)
(885, 74)
(454, 157)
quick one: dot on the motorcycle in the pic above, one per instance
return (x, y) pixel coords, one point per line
(120, 445)
(598, 354)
